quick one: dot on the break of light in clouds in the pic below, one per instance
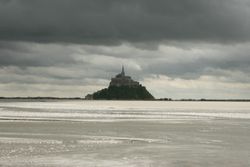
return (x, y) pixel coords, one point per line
(178, 49)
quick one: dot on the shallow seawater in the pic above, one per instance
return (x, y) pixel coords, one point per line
(124, 133)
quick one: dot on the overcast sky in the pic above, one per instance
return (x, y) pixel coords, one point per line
(176, 48)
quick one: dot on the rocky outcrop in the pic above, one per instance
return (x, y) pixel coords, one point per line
(123, 93)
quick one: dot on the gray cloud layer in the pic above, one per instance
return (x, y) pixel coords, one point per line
(84, 67)
(178, 48)
(113, 21)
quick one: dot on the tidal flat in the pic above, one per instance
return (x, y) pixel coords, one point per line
(72, 133)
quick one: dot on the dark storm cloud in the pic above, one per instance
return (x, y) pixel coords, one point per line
(86, 61)
(215, 60)
(31, 54)
(114, 21)
(194, 70)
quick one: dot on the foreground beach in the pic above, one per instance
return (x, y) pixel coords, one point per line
(124, 133)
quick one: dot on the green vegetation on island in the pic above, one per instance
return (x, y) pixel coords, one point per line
(123, 93)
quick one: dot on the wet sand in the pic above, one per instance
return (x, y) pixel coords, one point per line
(124, 133)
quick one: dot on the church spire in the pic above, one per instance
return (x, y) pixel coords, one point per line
(123, 73)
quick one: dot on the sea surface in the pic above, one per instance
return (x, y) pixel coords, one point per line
(79, 133)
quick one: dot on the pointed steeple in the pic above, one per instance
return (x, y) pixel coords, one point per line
(123, 73)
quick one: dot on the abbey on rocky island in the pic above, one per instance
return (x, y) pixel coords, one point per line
(121, 87)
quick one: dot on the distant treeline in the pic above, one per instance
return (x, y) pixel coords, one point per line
(232, 100)
(44, 98)
(240, 100)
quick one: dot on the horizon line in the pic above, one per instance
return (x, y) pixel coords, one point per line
(157, 99)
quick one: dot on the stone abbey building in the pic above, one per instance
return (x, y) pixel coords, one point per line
(122, 80)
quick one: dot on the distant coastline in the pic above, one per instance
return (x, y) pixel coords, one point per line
(160, 99)
(42, 98)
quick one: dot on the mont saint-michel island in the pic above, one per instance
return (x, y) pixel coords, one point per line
(122, 87)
